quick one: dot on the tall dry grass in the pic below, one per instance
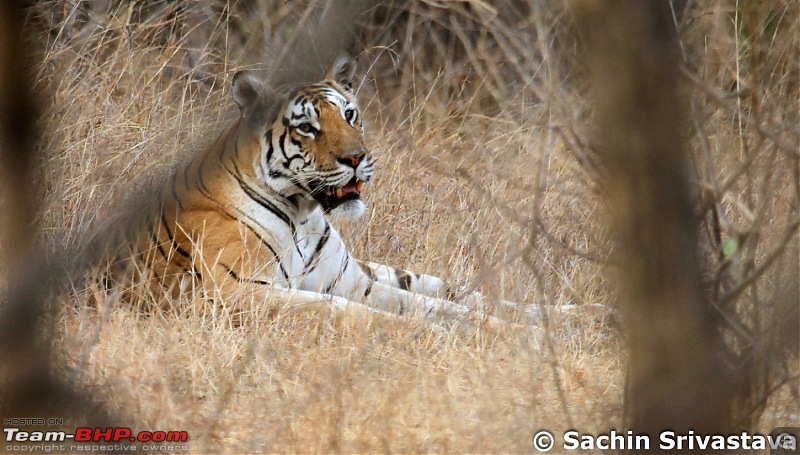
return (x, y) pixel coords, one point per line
(478, 122)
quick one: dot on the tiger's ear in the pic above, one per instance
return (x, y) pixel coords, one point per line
(342, 71)
(248, 92)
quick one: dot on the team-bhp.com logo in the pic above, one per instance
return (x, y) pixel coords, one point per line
(88, 434)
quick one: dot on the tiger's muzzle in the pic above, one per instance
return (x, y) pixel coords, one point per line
(331, 197)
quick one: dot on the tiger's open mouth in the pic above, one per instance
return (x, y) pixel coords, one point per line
(330, 198)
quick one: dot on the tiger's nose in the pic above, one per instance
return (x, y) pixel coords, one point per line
(354, 157)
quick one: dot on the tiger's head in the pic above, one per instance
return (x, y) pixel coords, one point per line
(312, 146)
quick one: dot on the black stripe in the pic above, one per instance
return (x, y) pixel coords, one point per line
(150, 260)
(175, 190)
(403, 279)
(270, 148)
(178, 248)
(235, 145)
(318, 249)
(314, 108)
(341, 272)
(202, 186)
(367, 270)
(368, 291)
(204, 192)
(175, 245)
(282, 144)
(300, 157)
(186, 177)
(268, 162)
(154, 238)
(253, 194)
(263, 202)
(158, 245)
(236, 277)
(200, 180)
(297, 144)
(334, 175)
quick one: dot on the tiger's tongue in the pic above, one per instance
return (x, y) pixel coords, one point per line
(351, 187)
(354, 186)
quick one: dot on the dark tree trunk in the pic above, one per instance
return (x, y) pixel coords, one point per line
(677, 376)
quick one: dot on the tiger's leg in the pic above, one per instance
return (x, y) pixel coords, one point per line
(428, 285)
(297, 300)
(377, 289)
(354, 294)
(432, 286)
(390, 303)
(404, 303)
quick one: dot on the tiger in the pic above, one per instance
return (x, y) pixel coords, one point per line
(254, 208)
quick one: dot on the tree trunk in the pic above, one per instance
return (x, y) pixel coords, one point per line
(677, 377)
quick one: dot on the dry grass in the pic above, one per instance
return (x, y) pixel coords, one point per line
(317, 383)
(497, 196)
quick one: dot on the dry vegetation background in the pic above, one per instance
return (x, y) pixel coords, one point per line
(479, 121)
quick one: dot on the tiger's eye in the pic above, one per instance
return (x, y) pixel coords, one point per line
(350, 115)
(305, 127)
